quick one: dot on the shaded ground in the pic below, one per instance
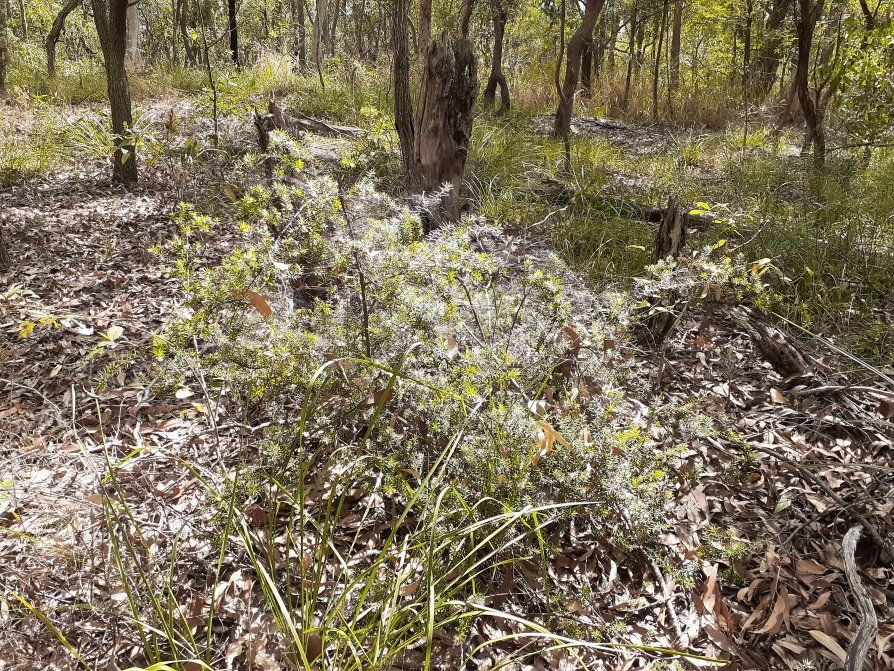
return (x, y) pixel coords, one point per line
(770, 588)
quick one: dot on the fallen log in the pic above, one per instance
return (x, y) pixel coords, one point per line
(771, 343)
(318, 127)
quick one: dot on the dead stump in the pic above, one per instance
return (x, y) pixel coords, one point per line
(669, 243)
(671, 234)
(444, 123)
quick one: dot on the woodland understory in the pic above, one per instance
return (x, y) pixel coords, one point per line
(303, 367)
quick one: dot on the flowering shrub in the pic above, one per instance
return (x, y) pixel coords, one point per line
(343, 329)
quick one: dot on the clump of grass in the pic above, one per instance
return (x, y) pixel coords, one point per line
(31, 151)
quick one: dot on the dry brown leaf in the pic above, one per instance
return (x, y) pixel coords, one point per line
(778, 396)
(829, 643)
(259, 302)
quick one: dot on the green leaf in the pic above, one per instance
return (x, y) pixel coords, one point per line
(114, 333)
(781, 505)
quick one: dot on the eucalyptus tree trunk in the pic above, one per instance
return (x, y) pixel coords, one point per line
(111, 25)
(24, 16)
(579, 42)
(175, 44)
(809, 14)
(586, 71)
(444, 122)
(233, 30)
(465, 17)
(403, 104)
(424, 25)
(499, 15)
(56, 32)
(746, 45)
(332, 33)
(132, 48)
(321, 22)
(766, 59)
(300, 34)
(676, 33)
(656, 66)
(4, 46)
(631, 56)
(359, 11)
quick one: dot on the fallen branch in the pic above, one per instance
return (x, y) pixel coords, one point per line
(318, 127)
(868, 628)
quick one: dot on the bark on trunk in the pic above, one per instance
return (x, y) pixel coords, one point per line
(765, 61)
(676, 32)
(465, 17)
(586, 71)
(175, 44)
(333, 30)
(746, 46)
(132, 48)
(359, 26)
(444, 126)
(808, 15)
(656, 71)
(4, 46)
(403, 104)
(301, 32)
(500, 16)
(321, 20)
(24, 16)
(56, 32)
(671, 232)
(233, 30)
(189, 47)
(424, 25)
(578, 43)
(111, 25)
(631, 58)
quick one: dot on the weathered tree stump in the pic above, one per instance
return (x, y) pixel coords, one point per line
(444, 126)
(671, 234)
(669, 243)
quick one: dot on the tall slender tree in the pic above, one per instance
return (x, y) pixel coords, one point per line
(403, 104)
(233, 30)
(499, 16)
(656, 61)
(300, 33)
(4, 45)
(56, 32)
(134, 30)
(809, 13)
(425, 7)
(111, 25)
(579, 41)
(676, 37)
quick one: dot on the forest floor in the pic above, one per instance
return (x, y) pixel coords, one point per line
(78, 310)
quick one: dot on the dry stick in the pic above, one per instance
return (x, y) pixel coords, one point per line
(859, 648)
(807, 475)
(669, 601)
(364, 305)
